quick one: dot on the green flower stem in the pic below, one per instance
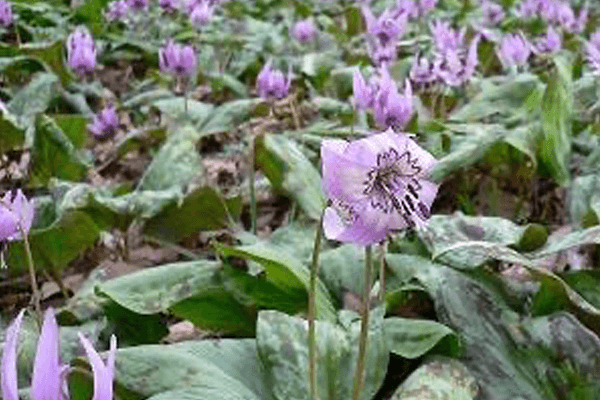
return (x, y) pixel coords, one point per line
(383, 250)
(364, 327)
(312, 344)
(34, 287)
(252, 188)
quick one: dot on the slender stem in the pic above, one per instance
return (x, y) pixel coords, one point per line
(364, 327)
(252, 188)
(185, 104)
(34, 287)
(383, 250)
(312, 344)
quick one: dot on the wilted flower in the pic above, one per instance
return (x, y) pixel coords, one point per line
(116, 10)
(48, 373)
(81, 51)
(105, 124)
(202, 13)
(16, 214)
(445, 38)
(392, 110)
(271, 83)
(492, 12)
(376, 185)
(551, 43)
(304, 31)
(177, 59)
(386, 29)
(138, 4)
(514, 50)
(168, 5)
(6, 15)
(361, 91)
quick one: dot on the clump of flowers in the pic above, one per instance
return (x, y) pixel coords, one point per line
(513, 50)
(375, 185)
(81, 51)
(16, 215)
(555, 12)
(304, 31)
(105, 124)
(116, 10)
(6, 15)
(177, 59)
(271, 83)
(48, 374)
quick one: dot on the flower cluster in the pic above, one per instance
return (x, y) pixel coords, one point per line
(271, 83)
(6, 15)
(304, 31)
(81, 51)
(48, 374)
(177, 59)
(556, 12)
(16, 215)
(375, 185)
(105, 124)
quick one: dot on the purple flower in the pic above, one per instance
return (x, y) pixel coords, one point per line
(415, 9)
(81, 51)
(48, 374)
(422, 72)
(362, 92)
(514, 50)
(15, 214)
(595, 39)
(528, 8)
(390, 108)
(376, 185)
(168, 5)
(445, 38)
(592, 53)
(177, 59)
(426, 5)
(386, 29)
(551, 43)
(6, 15)
(105, 124)
(577, 25)
(138, 4)
(116, 10)
(492, 13)
(202, 13)
(271, 83)
(382, 55)
(304, 31)
(455, 68)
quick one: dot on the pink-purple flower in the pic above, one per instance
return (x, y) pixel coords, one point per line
(375, 185)
(48, 380)
(16, 214)
(81, 51)
(6, 15)
(304, 31)
(138, 4)
(386, 29)
(177, 59)
(391, 109)
(105, 124)
(422, 73)
(446, 38)
(592, 55)
(457, 67)
(202, 13)
(493, 13)
(168, 5)
(514, 49)
(116, 10)
(549, 44)
(361, 91)
(271, 83)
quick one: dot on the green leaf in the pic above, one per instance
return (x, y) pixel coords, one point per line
(228, 116)
(342, 270)
(290, 172)
(584, 206)
(174, 108)
(283, 347)
(412, 338)
(52, 54)
(13, 133)
(438, 379)
(75, 127)
(557, 109)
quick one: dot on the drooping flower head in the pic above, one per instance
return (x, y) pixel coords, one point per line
(493, 13)
(382, 55)
(514, 49)
(391, 109)
(271, 83)
(16, 214)
(6, 15)
(422, 73)
(202, 13)
(138, 5)
(457, 67)
(116, 10)
(592, 55)
(375, 185)
(177, 59)
(595, 39)
(385, 30)
(361, 91)
(168, 5)
(105, 124)
(304, 31)
(48, 374)
(81, 51)
(549, 44)
(445, 38)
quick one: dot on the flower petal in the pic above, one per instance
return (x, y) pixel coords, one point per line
(8, 367)
(103, 374)
(46, 381)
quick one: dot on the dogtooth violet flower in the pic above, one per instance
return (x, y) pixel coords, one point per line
(375, 185)
(105, 124)
(202, 13)
(592, 54)
(116, 10)
(304, 31)
(422, 73)
(16, 213)
(271, 83)
(48, 374)
(361, 91)
(386, 29)
(177, 59)
(415, 8)
(391, 110)
(138, 4)
(514, 49)
(81, 51)
(551, 43)
(493, 13)
(6, 15)
(445, 38)
(456, 67)
(168, 5)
